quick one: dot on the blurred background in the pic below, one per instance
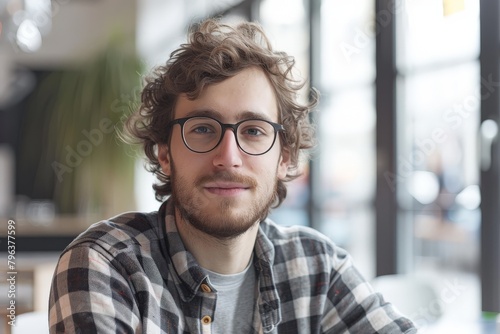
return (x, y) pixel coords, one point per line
(406, 175)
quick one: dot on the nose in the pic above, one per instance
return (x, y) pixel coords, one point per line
(228, 154)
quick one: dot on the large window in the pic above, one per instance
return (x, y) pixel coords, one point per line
(342, 171)
(438, 106)
(346, 119)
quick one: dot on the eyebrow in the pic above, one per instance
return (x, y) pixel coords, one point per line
(247, 114)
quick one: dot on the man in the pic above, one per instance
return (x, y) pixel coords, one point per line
(222, 129)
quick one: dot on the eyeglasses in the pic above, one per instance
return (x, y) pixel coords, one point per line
(203, 134)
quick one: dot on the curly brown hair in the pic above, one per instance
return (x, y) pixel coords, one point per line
(215, 52)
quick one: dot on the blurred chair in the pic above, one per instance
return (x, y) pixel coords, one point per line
(30, 323)
(415, 297)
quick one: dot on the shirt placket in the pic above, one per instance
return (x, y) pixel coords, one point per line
(208, 298)
(268, 298)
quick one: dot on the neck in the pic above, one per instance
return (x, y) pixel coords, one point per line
(227, 256)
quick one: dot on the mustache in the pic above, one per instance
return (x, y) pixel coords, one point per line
(226, 176)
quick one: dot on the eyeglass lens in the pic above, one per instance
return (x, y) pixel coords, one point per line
(203, 134)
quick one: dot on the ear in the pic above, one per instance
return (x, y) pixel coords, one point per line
(283, 164)
(164, 158)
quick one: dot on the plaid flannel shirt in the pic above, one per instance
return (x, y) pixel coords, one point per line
(132, 274)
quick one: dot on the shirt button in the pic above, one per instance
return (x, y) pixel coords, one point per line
(206, 320)
(205, 288)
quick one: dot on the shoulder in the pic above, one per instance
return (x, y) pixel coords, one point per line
(124, 231)
(279, 232)
(282, 235)
(303, 242)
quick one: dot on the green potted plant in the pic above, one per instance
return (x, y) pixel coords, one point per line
(80, 112)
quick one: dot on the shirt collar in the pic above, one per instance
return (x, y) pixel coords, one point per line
(191, 275)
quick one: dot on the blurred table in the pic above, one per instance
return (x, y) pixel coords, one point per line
(45, 236)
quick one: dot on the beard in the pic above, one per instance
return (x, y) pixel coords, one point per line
(222, 218)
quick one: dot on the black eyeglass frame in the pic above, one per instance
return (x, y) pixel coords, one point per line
(181, 121)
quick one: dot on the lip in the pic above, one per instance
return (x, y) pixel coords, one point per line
(225, 188)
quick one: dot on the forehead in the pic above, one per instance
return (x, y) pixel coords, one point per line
(247, 93)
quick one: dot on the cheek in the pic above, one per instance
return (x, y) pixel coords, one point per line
(189, 165)
(269, 168)
(180, 155)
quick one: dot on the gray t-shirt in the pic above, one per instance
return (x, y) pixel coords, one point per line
(235, 301)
